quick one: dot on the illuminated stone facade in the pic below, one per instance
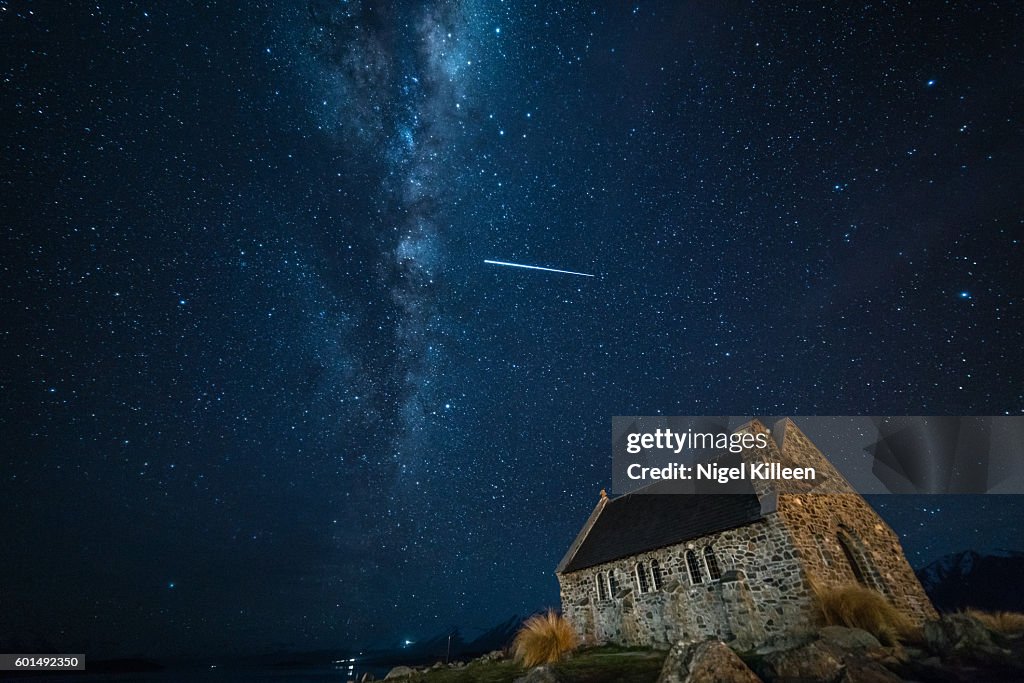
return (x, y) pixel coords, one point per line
(746, 581)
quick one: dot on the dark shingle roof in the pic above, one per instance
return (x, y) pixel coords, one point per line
(639, 522)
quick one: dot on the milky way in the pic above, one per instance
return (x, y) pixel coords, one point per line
(392, 77)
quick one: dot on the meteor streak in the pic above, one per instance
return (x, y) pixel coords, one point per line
(550, 270)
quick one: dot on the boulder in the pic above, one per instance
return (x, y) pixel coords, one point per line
(812, 662)
(863, 658)
(862, 670)
(849, 639)
(895, 655)
(961, 636)
(710, 661)
(961, 639)
(399, 672)
(539, 674)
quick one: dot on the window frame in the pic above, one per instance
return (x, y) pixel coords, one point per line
(656, 575)
(693, 567)
(711, 559)
(860, 572)
(643, 581)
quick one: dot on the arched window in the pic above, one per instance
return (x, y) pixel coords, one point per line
(656, 575)
(694, 567)
(613, 584)
(641, 578)
(851, 559)
(602, 587)
(709, 559)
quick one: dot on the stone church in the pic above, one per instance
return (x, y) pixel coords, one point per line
(650, 569)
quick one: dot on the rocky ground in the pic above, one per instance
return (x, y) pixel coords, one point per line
(955, 648)
(593, 665)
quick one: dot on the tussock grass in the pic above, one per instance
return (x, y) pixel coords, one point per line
(544, 639)
(1007, 623)
(855, 606)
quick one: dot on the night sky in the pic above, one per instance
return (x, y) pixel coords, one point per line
(260, 389)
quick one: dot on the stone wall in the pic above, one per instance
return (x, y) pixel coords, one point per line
(838, 535)
(821, 525)
(762, 593)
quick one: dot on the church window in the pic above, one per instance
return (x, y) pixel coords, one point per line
(656, 575)
(694, 567)
(602, 587)
(712, 562)
(851, 558)
(613, 584)
(641, 578)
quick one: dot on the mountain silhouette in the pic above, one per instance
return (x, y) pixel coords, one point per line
(970, 579)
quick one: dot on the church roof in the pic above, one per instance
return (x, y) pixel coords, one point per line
(638, 522)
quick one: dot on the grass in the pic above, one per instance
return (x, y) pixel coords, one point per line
(855, 606)
(483, 672)
(594, 665)
(621, 666)
(1007, 623)
(544, 639)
